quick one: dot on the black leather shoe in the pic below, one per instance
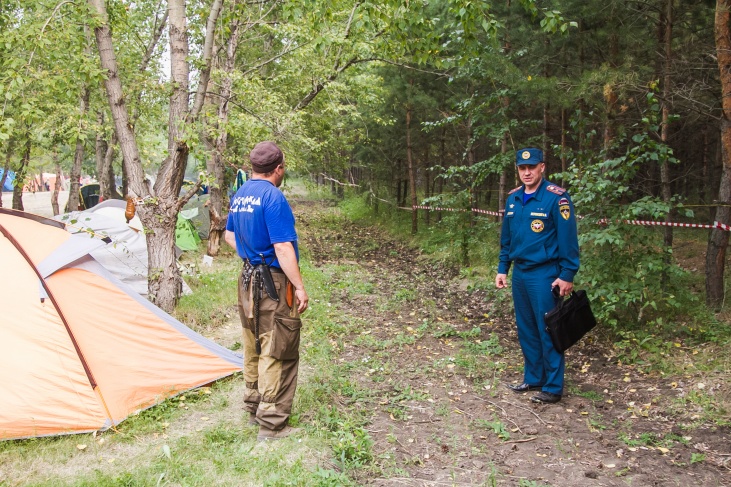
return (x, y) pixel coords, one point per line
(523, 388)
(544, 397)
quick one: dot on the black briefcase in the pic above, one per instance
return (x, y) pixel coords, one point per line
(570, 320)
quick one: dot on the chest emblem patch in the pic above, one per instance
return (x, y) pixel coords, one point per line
(536, 226)
(565, 211)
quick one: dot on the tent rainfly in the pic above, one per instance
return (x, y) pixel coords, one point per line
(79, 350)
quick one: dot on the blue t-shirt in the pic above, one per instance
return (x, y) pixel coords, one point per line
(260, 216)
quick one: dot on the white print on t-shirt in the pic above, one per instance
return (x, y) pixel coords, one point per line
(244, 204)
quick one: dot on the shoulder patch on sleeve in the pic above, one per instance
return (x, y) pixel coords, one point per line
(555, 189)
(514, 189)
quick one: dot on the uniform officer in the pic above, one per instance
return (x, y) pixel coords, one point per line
(539, 240)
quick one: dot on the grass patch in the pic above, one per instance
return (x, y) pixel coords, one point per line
(213, 300)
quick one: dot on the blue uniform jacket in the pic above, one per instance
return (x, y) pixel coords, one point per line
(541, 232)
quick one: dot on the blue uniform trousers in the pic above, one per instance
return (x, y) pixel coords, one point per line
(543, 365)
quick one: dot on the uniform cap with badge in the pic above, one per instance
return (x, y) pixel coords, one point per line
(529, 155)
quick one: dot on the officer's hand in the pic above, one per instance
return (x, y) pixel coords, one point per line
(302, 300)
(501, 281)
(564, 287)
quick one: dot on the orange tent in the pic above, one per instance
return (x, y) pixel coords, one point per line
(79, 350)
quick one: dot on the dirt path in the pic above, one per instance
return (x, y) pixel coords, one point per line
(433, 360)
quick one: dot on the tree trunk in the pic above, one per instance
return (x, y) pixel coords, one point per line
(665, 165)
(443, 165)
(108, 168)
(412, 178)
(503, 179)
(115, 96)
(216, 163)
(546, 129)
(564, 130)
(718, 240)
(20, 175)
(56, 185)
(610, 97)
(427, 182)
(159, 209)
(104, 155)
(73, 202)
(703, 192)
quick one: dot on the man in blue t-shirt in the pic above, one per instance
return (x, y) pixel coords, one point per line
(260, 227)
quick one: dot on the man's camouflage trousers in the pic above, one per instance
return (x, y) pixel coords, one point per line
(271, 376)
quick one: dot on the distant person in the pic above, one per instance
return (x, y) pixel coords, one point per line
(539, 240)
(261, 227)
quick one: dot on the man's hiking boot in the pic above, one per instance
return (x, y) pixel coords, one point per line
(265, 434)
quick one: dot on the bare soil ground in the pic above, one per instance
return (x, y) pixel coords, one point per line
(38, 203)
(435, 359)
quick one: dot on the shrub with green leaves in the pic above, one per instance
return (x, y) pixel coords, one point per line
(629, 272)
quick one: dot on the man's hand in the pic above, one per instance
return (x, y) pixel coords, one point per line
(501, 281)
(288, 261)
(564, 287)
(302, 299)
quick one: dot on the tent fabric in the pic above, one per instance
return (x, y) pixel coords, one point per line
(186, 237)
(126, 254)
(126, 257)
(115, 209)
(83, 351)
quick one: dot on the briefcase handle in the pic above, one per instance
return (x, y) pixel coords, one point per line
(556, 291)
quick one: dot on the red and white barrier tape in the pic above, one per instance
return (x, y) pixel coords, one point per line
(670, 224)
(600, 222)
(474, 210)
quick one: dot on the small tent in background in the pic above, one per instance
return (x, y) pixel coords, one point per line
(88, 196)
(8, 186)
(201, 220)
(79, 350)
(186, 236)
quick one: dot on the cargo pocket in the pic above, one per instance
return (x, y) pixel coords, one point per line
(286, 338)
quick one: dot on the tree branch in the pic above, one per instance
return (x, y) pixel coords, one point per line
(347, 33)
(205, 76)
